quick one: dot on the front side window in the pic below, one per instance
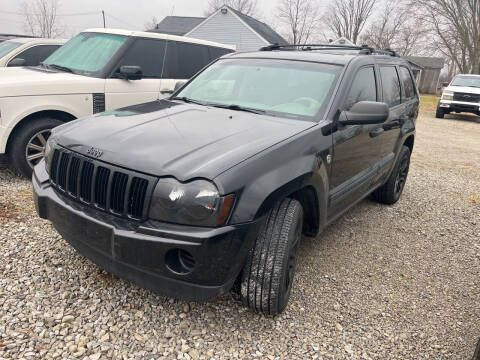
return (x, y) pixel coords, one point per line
(36, 54)
(364, 87)
(184, 60)
(8, 46)
(467, 81)
(408, 91)
(87, 53)
(216, 52)
(148, 54)
(292, 89)
(391, 86)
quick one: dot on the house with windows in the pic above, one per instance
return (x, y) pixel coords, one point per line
(226, 26)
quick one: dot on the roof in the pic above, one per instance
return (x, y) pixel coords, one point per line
(427, 62)
(313, 56)
(154, 35)
(38, 41)
(265, 31)
(177, 25)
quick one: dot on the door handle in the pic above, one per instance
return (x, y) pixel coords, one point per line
(377, 132)
(166, 91)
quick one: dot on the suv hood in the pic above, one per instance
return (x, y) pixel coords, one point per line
(37, 81)
(463, 89)
(165, 138)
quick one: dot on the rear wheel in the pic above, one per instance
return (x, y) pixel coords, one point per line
(267, 278)
(391, 192)
(28, 144)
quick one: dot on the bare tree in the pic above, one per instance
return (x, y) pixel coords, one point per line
(395, 28)
(41, 18)
(455, 25)
(347, 18)
(301, 17)
(247, 7)
(152, 24)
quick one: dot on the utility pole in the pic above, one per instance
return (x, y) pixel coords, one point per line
(103, 13)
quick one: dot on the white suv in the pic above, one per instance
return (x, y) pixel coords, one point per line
(97, 70)
(461, 95)
(27, 51)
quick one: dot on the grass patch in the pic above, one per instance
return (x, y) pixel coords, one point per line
(429, 102)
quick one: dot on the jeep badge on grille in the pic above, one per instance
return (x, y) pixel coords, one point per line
(96, 153)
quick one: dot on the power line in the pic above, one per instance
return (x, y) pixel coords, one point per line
(120, 20)
(60, 15)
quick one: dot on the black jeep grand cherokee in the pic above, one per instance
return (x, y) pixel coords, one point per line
(215, 185)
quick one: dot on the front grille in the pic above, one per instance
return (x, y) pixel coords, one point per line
(472, 98)
(108, 188)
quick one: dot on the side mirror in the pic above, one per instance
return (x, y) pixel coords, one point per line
(365, 113)
(179, 85)
(17, 62)
(131, 72)
(445, 84)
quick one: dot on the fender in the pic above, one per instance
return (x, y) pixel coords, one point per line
(74, 105)
(278, 172)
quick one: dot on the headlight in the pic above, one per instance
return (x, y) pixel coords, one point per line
(447, 95)
(49, 153)
(194, 203)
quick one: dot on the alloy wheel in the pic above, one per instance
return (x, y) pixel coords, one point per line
(35, 149)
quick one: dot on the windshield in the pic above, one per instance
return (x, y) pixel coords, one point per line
(7, 46)
(292, 89)
(468, 81)
(86, 53)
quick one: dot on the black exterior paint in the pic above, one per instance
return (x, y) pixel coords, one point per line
(260, 159)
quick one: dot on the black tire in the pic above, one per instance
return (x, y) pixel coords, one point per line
(266, 279)
(392, 190)
(440, 114)
(18, 150)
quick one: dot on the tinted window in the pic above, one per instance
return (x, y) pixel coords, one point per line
(364, 87)
(215, 52)
(7, 46)
(148, 54)
(35, 55)
(408, 91)
(184, 60)
(391, 86)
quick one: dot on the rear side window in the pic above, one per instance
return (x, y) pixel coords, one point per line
(148, 54)
(408, 91)
(391, 86)
(36, 54)
(364, 88)
(216, 52)
(184, 60)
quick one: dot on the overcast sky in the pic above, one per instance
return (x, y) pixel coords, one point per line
(120, 13)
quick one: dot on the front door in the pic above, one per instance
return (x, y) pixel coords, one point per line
(149, 55)
(357, 148)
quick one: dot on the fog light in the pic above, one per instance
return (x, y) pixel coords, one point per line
(179, 261)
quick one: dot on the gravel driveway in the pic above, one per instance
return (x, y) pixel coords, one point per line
(399, 282)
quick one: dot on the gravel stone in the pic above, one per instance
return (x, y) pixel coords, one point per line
(399, 282)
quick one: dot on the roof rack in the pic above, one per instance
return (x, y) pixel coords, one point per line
(363, 49)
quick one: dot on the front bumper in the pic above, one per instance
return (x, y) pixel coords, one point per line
(448, 106)
(138, 251)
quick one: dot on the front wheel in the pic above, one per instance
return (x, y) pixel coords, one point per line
(391, 192)
(28, 144)
(266, 280)
(440, 114)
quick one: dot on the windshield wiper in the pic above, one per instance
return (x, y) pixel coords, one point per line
(188, 100)
(238, 108)
(58, 67)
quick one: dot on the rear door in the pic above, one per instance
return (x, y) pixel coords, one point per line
(149, 54)
(392, 95)
(184, 60)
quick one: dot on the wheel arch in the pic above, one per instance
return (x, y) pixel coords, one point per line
(410, 142)
(60, 115)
